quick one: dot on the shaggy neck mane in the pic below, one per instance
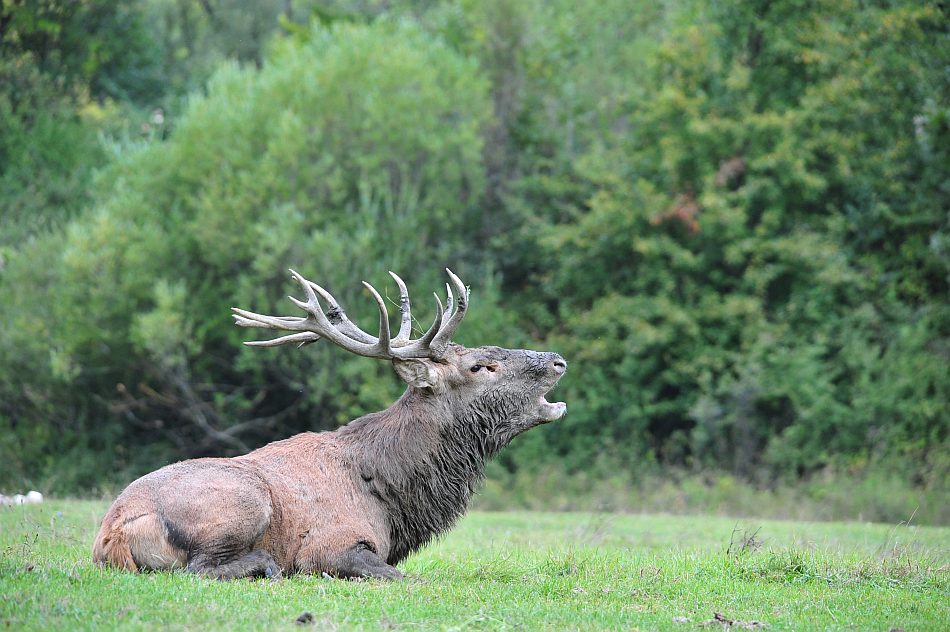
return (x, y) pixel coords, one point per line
(422, 460)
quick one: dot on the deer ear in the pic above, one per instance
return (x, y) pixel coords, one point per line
(418, 372)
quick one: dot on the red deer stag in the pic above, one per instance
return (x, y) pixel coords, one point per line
(356, 501)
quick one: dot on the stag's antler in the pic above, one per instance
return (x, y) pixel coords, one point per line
(337, 328)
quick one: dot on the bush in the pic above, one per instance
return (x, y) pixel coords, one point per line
(350, 153)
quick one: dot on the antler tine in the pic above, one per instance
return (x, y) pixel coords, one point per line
(304, 337)
(244, 318)
(449, 301)
(383, 343)
(405, 323)
(311, 328)
(337, 316)
(318, 322)
(442, 339)
(421, 348)
(436, 324)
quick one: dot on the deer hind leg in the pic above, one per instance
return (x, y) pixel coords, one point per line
(227, 551)
(151, 549)
(256, 563)
(136, 542)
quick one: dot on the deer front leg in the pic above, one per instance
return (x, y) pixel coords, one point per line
(362, 561)
(331, 555)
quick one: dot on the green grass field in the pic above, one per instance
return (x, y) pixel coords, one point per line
(512, 571)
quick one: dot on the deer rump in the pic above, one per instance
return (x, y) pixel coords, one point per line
(356, 501)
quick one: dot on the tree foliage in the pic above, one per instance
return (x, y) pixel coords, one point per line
(732, 219)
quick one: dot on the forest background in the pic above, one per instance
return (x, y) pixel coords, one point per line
(731, 218)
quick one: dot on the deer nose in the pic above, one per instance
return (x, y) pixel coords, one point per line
(559, 364)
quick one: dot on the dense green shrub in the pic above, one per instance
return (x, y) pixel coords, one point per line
(750, 267)
(354, 151)
(732, 219)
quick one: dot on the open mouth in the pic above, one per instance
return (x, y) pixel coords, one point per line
(548, 411)
(551, 412)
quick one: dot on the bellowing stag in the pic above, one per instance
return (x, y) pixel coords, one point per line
(356, 501)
